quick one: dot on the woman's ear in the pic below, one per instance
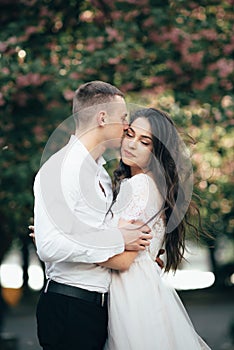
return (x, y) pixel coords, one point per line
(101, 118)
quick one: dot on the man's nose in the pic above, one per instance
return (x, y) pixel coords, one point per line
(125, 125)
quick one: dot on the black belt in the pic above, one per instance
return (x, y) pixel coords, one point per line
(76, 292)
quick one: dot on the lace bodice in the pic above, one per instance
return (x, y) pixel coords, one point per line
(139, 199)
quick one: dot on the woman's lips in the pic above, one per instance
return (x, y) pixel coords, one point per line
(127, 153)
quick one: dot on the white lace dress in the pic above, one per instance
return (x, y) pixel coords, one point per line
(144, 313)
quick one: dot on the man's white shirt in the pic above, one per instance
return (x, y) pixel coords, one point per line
(72, 195)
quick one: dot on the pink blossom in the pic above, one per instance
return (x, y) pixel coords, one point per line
(116, 15)
(109, 3)
(2, 101)
(114, 60)
(90, 71)
(131, 15)
(228, 49)
(75, 75)
(3, 46)
(39, 132)
(12, 40)
(157, 80)
(95, 3)
(86, 16)
(209, 34)
(202, 85)
(196, 36)
(229, 113)
(127, 87)
(174, 66)
(113, 34)
(31, 30)
(195, 59)
(149, 22)
(224, 67)
(53, 104)
(44, 12)
(174, 35)
(5, 88)
(184, 46)
(226, 84)
(160, 89)
(34, 79)
(68, 94)
(66, 61)
(192, 4)
(93, 44)
(52, 45)
(54, 59)
(137, 2)
(99, 17)
(155, 37)
(121, 68)
(23, 38)
(5, 70)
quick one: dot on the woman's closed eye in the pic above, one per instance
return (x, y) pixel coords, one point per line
(129, 133)
(145, 143)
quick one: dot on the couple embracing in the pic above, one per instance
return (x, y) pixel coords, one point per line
(99, 243)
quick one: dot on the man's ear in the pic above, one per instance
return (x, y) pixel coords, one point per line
(101, 118)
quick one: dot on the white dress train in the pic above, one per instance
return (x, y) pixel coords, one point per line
(144, 313)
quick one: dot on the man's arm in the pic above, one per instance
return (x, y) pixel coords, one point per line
(120, 262)
(60, 233)
(123, 261)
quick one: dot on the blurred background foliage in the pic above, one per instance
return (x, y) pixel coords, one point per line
(175, 55)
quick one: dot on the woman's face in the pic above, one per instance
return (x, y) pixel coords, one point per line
(137, 146)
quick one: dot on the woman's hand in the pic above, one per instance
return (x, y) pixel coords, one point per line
(158, 260)
(32, 234)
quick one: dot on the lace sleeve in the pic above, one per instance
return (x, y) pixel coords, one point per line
(133, 197)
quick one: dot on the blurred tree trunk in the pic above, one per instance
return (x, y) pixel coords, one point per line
(219, 276)
(25, 258)
(213, 260)
(3, 308)
(5, 243)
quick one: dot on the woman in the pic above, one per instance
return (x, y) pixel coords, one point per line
(144, 313)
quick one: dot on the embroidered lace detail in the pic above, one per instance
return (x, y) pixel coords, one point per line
(139, 199)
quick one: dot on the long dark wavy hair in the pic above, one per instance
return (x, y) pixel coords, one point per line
(166, 164)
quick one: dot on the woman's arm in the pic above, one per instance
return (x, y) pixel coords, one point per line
(120, 262)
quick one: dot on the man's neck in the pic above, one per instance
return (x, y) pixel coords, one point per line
(91, 142)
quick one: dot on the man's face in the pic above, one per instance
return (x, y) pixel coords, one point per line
(116, 121)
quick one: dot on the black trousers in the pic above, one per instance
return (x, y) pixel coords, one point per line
(67, 323)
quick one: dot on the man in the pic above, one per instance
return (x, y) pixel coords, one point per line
(72, 195)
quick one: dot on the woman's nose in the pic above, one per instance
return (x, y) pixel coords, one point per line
(132, 143)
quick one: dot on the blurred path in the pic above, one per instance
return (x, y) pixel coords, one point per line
(21, 323)
(210, 312)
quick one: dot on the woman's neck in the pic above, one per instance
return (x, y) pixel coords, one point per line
(135, 171)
